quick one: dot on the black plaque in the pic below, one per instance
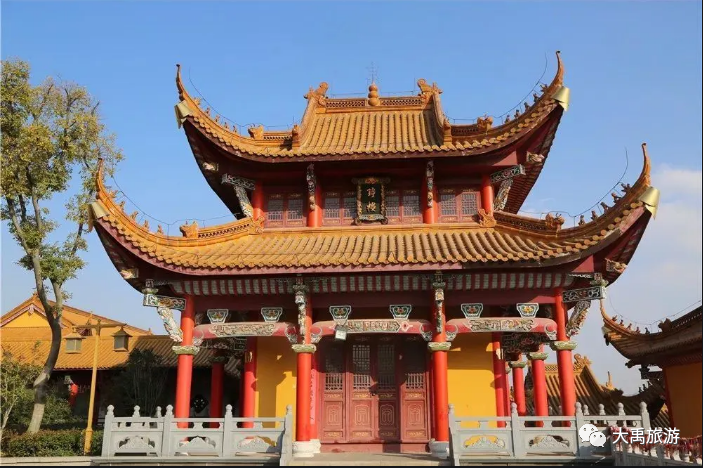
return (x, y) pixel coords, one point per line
(371, 199)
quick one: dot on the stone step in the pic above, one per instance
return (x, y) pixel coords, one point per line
(370, 459)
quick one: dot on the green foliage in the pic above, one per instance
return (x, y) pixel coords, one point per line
(66, 443)
(52, 141)
(17, 400)
(15, 386)
(141, 383)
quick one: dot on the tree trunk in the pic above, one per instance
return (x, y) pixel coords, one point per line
(41, 384)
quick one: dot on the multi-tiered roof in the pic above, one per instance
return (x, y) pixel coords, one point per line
(381, 132)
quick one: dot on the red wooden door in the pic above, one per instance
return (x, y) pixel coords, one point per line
(364, 383)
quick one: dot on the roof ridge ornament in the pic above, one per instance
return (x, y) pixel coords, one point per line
(319, 95)
(373, 98)
(427, 91)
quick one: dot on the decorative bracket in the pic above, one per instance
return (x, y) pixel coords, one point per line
(501, 198)
(612, 266)
(507, 173)
(271, 314)
(340, 313)
(312, 185)
(304, 348)
(217, 315)
(172, 328)
(517, 364)
(241, 185)
(528, 310)
(401, 311)
(563, 345)
(429, 176)
(438, 285)
(189, 350)
(584, 294)
(538, 356)
(472, 310)
(301, 301)
(578, 317)
(152, 300)
(434, 346)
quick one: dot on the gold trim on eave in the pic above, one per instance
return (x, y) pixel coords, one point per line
(563, 96)
(650, 198)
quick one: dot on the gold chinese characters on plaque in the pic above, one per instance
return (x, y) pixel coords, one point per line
(370, 199)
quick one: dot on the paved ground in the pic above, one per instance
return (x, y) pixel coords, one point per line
(370, 459)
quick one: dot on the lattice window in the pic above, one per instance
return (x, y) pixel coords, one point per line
(458, 204)
(403, 206)
(393, 206)
(295, 209)
(386, 367)
(415, 366)
(285, 210)
(469, 204)
(331, 206)
(447, 204)
(334, 369)
(349, 206)
(274, 208)
(411, 205)
(339, 208)
(361, 366)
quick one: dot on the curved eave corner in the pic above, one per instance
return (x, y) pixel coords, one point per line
(454, 140)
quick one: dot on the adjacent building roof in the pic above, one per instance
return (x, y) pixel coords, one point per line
(31, 343)
(590, 392)
(679, 341)
(502, 240)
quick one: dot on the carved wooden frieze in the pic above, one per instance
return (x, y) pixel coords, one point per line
(152, 300)
(508, 173)
(584, 294)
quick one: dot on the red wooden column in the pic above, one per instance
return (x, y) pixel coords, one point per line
(248, 406)
(439, 347)
(185, 351)
(487, 194)
(563, 347)
(506, 386)
(539, 384)
(429, 196)
(519, 385)
(257, 200)
(217, 386)
(498, 376)
(303, 447)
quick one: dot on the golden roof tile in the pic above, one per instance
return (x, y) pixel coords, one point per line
(378, 126)
(245, 245)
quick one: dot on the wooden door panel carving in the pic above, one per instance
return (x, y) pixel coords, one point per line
(373, 389)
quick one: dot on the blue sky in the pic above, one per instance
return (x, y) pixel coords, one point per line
(634, 70)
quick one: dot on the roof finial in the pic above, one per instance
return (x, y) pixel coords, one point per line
(373, 71)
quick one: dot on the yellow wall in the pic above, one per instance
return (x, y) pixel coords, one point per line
(275, 377)
(470, 375)
(27, 320)
(684, 390)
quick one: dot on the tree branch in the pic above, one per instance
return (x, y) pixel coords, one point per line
(17, 225)
(35, 204)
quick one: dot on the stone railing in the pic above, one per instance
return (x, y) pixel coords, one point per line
(224, 438)
(534, 437)
(686, 453)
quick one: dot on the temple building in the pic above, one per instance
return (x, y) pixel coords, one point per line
(377, 264)
(677, 350)
(25, 336)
